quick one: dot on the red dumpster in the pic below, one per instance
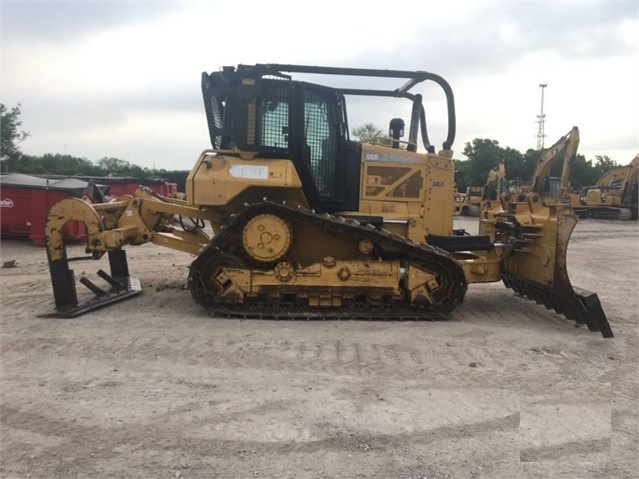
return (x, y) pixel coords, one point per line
(25, 201)
(126, 185)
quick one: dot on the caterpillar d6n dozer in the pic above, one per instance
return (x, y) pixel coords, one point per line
(307, 223)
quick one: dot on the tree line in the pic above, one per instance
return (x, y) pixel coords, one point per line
(68, 165)
(483, 155)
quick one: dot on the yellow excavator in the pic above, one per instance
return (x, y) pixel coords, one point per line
(615, 196)
(307, 223)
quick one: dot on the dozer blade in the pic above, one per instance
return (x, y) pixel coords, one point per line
(579, 304)
(537, 271)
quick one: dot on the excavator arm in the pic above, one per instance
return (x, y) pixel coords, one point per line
(629, 185)
(563, 151)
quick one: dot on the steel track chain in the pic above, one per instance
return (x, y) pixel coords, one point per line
(450, 273)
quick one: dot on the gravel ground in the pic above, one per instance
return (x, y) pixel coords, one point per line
(152, 387)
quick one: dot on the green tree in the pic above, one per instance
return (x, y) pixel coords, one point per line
(603, 164)
(485, 155)
(10, 136)
(116, 166)
(462, 175)
(528, 165)
(516, 163)
(582, 173)
(56, 164)
(367, 133)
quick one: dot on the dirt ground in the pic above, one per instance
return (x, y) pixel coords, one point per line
(153, 388)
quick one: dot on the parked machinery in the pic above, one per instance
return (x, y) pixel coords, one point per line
(615, 195)
(458, 201)
(310, 224)
(472, 201)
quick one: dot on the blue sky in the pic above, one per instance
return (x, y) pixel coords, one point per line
(122, 79)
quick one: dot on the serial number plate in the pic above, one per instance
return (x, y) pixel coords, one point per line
(252, 172)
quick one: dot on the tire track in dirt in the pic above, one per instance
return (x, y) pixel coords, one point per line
(91, 444)
(330, 356)
(556, 452)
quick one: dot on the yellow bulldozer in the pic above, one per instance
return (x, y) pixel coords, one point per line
(615, 196)
(307, 223)
(472, 201)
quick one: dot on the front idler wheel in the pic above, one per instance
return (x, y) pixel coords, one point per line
(204, 281)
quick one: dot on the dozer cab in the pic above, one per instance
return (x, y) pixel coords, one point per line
(308, 223)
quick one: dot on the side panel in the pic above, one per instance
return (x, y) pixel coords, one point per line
(217, 180)
(404, 186)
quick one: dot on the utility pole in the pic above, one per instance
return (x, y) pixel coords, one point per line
(541, 118)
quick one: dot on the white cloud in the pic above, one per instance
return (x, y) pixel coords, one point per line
(128, 85)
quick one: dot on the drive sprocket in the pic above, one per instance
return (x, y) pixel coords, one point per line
(266, 238)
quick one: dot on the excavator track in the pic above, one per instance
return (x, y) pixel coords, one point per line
(224, 251)
(611, 213)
